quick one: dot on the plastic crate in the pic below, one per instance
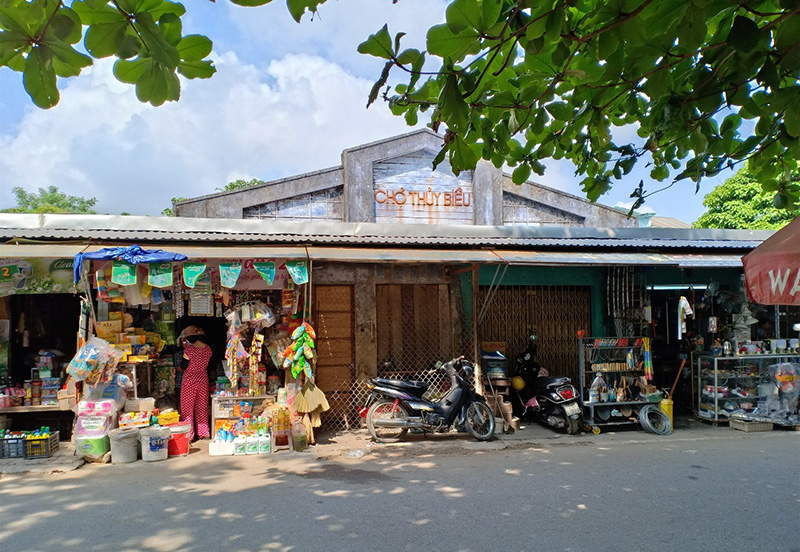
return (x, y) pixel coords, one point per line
(742, 425)
(43, 447)
(12, 448)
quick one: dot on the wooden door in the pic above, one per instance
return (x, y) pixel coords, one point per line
(335, 327)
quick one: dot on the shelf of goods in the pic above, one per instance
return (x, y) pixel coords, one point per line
(620, 362)
(729, 385)
(225, 407)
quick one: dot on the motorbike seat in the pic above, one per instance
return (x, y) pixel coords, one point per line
(547, 383)
(414, 387)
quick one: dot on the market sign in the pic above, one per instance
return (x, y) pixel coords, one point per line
(423, 197)
(772, 270)
(35, 276)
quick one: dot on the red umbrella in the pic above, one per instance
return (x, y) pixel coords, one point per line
(772, 270)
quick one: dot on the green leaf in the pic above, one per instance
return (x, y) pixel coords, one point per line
(130, 46)
(162, 51)
(376, 88)
(68, 55)
(251, 3)
(64, 70)
(607, 44)
(553, 25)
(786, 36)
(791, 119)
(462, 158)
(39, 77)
(11, 44)
(408, 56)
(105, 39)
(166, 7)
(156, 85)
(172, 28)
(659, 173)
(559, 110)
(95, 16)
(197, 69)
(455, 110)
(378, 44)
(730, 123)
(444, 43)
(131, 71)
(521, 174)
(298, 7)
(194, 47)
(744, 34)
(63, 26)
(491, 13)
(14, 19)
(465, 14)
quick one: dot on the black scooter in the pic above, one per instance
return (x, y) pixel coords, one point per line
(395, 406)
(550, 400)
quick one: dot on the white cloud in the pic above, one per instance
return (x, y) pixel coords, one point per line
(295, 115)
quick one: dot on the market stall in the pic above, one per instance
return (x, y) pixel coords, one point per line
(161, 318)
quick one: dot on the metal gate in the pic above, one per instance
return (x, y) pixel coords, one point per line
(556, 313)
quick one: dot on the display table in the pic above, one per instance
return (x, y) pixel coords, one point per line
(222, 407)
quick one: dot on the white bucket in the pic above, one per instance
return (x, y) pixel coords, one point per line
(124, 445)
(154, 443)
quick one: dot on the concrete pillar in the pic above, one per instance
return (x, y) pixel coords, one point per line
(366, 323)
(487, 182)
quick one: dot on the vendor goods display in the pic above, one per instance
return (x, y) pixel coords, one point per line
(300, 356)
(94, 362)
(41, 443)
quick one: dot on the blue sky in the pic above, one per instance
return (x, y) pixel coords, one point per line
(287, 98)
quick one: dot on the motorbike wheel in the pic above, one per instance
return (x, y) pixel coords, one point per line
(385, 409)
(480, 421)
(573, 426)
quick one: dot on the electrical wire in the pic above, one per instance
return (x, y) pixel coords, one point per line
(658, 424)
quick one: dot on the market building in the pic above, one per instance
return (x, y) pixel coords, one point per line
(395, 266)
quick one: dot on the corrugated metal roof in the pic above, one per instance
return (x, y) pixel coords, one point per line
(112, 228)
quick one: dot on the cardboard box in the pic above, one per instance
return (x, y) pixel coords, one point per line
(109, 329)
(115, 315)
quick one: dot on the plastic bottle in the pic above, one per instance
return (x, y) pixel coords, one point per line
(299, 437)
(240, 445)
(263, 442)
(252, 444)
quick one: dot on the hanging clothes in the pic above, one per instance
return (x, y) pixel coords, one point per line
(684, 310)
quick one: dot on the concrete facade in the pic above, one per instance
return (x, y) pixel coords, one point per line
(355, 191)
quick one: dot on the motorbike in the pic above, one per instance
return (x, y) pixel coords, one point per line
(395, 406)
(549, 400)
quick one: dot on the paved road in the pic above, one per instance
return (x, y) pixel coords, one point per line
(705, 495)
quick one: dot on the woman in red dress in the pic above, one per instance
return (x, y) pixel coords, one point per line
(194, 387)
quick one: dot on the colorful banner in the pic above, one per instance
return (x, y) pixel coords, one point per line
(229, 274)
(123, 274)
(35, 276)
(192, 272)
(160, 275)
(266, 271)
(298, 270)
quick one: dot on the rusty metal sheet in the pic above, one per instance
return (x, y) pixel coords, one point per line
(402, 255)
(560, 258)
